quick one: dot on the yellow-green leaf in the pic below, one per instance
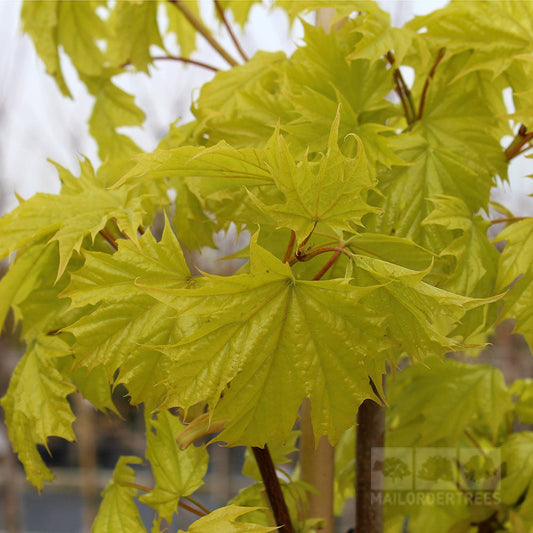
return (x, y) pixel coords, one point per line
(117, 332)
(134, 29)
(79, 27)
(40, 20)
(224, 520)
(181, 27)
(36, 405)
(331, 191)
(418, 316)
(118, 512)
(517, 256)
(177, 472)
(68, 218)
(274, 340)
(113, 108)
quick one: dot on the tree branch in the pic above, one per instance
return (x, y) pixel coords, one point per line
(300, 256)
(370, 434)
(402, 90)
(475, 442)
(508, 219)
(186, 60)
(200, 27)
(220, 12)
(327, 266)
(520, 140)
(197, 512)
(198, 504)
(431, 74)
(109, 238)
(290, 246)
(273, 489)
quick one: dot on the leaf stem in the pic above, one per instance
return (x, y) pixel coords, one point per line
(197, 512)
(122, 232)
(304, 242)
(402, 90)
(185, 60)
(290, 246)
(109, 238)
(144, 488)
(197, 503)
(475, 442)
(299, 256)
(273, 489)
(200, 27)
(220, 12)
(327, 266)
(191, 509)
(440, 56)
(508, 219)
(521, 139)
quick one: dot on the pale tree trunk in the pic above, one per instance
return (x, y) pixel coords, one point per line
(87, 461)
(317, 469)
(11, 493)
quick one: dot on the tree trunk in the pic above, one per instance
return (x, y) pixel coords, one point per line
(317, 469)
(86, 436)
(370, 434)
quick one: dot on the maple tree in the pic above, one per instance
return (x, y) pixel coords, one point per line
(369, 246)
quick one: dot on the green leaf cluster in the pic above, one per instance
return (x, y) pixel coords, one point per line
(367, 202)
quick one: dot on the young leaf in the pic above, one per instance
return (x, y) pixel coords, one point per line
(418, 316)
(68, 218)
(522, 389)
(217, 98)
(36, 404)
(378, 38)
(344, 483)
(220, 166)
(398, 250)
(517, 256)
(93, 386)
(113, 108)
(40, 21)
(447, 397)
(134, 29)
(180, 26)
(332, 192)
(118, 512)
(194, 228)
(464, 26)
(274, 341)
(117, 332)
(517, 305)
(434, 170)
(24, 275)
(73, 25)
(224, 520)
(517, 484)
(239, 8)
(78, 29)
(177, 472)
(475, 256)
(318, 77)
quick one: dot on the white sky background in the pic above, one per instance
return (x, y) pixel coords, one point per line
(37, 122)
